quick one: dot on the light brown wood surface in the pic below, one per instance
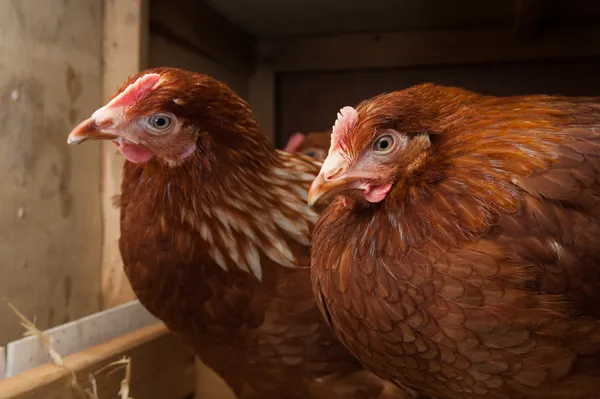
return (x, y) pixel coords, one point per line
(125, 46)
(50, 213)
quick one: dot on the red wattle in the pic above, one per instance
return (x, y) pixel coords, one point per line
(134, 153)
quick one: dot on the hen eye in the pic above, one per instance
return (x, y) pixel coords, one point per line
(159, 123)
(384, 143)
(310, 153)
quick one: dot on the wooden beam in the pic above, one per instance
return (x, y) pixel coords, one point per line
(28, 352)
(161, 367)
(528, 18)
(433, 48)
(262, 98)
(126, 31)
(194, 24)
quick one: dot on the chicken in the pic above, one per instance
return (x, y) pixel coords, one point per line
(215, 237)
(460, 255)
(314, 145)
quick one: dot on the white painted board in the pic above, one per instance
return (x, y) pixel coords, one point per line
(77, 335)
(2, 362)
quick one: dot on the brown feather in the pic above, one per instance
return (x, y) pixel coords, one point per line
(218, 247)
(490, 246)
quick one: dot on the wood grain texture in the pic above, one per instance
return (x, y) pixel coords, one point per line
(162, 367)
(126, 33)
(478, 276)
(50, 245)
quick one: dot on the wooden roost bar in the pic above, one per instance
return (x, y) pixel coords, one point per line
(296, 62)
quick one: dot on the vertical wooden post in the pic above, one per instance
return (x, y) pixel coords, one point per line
(126, 31)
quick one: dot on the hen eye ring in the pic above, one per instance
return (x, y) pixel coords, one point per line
(159, 123)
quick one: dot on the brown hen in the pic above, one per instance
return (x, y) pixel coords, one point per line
(314, 144)
(215, 235)
(460, 256)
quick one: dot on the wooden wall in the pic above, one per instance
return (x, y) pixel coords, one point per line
(50, 215)
(309, 101)
(167, 52)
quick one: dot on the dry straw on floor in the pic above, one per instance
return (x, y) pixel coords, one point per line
(90, 392)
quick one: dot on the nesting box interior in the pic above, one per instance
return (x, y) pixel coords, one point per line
(297, 62)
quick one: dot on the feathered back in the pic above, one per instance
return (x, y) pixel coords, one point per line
(479, 274)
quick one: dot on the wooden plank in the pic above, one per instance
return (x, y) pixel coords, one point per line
(528, 18)
(27, 353)
(195, 24)
(262, 98)
(432, 48)
(167, 53)
(126, 31)
(161, 367)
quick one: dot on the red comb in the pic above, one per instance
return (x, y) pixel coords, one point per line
(135, 91)
(346, 119)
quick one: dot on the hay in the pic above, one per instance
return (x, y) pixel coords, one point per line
(84, 393)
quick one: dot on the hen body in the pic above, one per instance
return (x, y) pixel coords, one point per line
(478, 275)
(216, 243)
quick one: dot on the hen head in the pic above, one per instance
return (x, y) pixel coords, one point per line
(384, 141)
(170, 114)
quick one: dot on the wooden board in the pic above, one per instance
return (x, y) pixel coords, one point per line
(427, 48)
(161, 368)
(194, 24)
(126, 31)
(309, 101)
(50, 211)
(29, 352)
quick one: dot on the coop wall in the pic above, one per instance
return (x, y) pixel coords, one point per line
(309, 101)
(50, 209)
(60, 60)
